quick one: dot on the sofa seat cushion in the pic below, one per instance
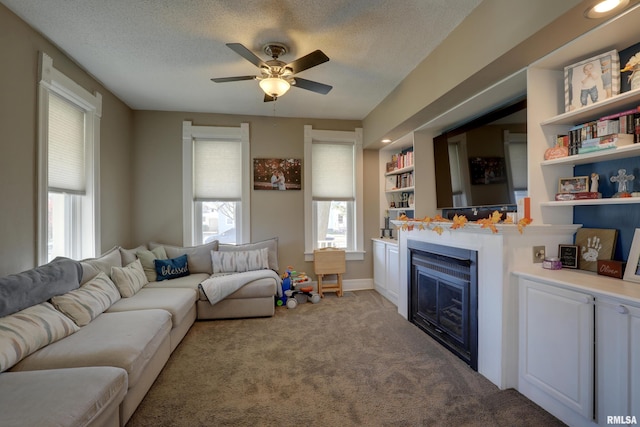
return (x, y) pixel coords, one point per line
(60, 397)
(260, 288)
(176, 301)
(191, 282)
(126, 340)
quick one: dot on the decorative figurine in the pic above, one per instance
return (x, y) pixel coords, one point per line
(622, 178)
(594, 182)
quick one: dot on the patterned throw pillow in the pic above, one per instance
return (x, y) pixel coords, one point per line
(239, 261)
(172, 268)
(130, 279)
(89, 300)
(29, 330)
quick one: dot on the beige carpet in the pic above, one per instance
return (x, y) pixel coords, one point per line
(350, 361)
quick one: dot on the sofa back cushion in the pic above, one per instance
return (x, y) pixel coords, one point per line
(147, 259)
(199, 257)
(31, 287)
(91, 267)
(239, 261)
(29, 330)
(130, 279)
(89, 301)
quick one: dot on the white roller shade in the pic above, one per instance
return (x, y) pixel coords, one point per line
(332, 171)
(518, 164)
(217, 169)
(66, 151)
(454, 167)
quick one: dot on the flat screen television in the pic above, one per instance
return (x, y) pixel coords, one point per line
(483, 163)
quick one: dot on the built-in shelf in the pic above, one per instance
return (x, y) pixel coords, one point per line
(598, 156)
(622, 102)
(592, 202)
(400, 190)
(399, 171)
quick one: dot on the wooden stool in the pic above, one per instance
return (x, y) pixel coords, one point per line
(329, 261)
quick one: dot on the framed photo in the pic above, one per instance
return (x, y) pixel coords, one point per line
(591, 80)
(595, 244)
(487, 170)
(630, 63)
(277, 174)
(574, 184)
(569, 255)
(632, 270)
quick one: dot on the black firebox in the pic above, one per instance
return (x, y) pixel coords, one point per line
(443, 296)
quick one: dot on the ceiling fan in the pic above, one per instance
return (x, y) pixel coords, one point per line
(276, 77)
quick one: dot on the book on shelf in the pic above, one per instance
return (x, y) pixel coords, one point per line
(401, 160)
(583, 195)
(605, 143)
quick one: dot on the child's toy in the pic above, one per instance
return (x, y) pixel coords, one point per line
(299, 297)
(286, 285)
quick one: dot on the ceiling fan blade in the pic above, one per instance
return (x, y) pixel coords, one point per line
(247, 54)
(232, 79)
(311, 60)
(312, 86)
(268, 98)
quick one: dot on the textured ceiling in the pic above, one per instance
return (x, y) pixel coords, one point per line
(161, 54)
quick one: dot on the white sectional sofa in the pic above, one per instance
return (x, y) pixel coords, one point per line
(81, 343)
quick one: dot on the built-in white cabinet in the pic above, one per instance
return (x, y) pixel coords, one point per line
(386, 268)
(556, 350)
(617, 359)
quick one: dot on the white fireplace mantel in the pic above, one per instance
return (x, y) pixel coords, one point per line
(498, 255)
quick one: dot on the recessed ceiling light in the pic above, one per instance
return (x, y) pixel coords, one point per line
(386, 141)
(602, 8)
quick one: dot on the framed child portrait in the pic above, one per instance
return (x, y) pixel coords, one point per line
(591, 80)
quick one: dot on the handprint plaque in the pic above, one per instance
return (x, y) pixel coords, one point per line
(595, 244)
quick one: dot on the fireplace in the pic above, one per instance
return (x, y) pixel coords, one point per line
(443, 296)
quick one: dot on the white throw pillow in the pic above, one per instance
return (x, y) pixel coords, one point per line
(84, 304)
(240, 261)
(29, 330)
(130, 279)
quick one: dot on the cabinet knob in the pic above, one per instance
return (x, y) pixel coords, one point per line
(622, 309)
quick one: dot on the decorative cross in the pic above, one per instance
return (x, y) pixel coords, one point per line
(622, 178)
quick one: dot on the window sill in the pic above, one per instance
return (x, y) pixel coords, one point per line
(350, 256)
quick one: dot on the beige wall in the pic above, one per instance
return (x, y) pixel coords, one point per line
(157, 181)
(19, 47)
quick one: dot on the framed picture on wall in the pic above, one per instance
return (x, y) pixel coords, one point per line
(632, 270)
(595, 244)
(277, 174)
(591, 80)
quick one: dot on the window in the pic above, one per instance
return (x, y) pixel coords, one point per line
(515, 147)
(333, 191)
(68, 138)
(216, 184)
(459, 171)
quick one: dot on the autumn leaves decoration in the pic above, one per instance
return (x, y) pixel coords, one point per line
(438, 223)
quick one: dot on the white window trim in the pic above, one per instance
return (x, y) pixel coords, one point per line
(50, 81)
(189, 134)
(354, 137)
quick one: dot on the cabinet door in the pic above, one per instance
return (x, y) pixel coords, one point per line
(393, 272)
(379, 266)
(617, 359)
(556, 347)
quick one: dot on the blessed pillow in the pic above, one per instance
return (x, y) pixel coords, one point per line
(29, 330)
(147, 259)
(130, 279)
(89, 300)
(198, 256)
(172, 268)
(270, 244)
(239, 261)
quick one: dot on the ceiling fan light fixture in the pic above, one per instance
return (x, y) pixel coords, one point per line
(274, 86)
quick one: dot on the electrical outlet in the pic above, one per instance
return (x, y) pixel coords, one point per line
(538, 254)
